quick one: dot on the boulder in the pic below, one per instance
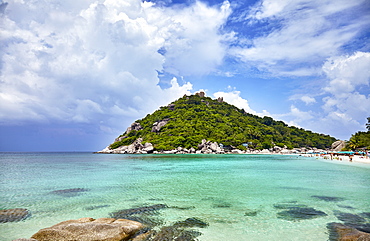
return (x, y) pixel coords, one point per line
(341, 232)
(86, 229)
(134, 126)
(158, 125)
(338, 145)
(14, 215)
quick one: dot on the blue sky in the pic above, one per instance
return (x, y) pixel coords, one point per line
(75, 74)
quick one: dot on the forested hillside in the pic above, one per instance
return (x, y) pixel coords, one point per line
(185, 122)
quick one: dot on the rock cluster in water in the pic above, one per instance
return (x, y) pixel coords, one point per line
(14, 215)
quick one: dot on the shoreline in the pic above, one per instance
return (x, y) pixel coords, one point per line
(341, 159)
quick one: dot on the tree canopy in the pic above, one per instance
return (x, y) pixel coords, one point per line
(193, 118)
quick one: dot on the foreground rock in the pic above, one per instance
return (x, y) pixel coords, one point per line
(87, 229)
(341, 232)
(14, 215)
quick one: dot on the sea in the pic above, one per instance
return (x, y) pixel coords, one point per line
(238, 197)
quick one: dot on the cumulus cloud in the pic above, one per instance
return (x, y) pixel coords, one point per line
(344, 99)
(301, 34)
(348, 97)
(98, 61)
(234, 98)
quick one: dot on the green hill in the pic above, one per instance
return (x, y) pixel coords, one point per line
(188, 120)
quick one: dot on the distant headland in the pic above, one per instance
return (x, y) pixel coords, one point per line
(201, 125)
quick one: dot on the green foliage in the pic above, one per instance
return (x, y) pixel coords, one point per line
(193, 118)
(359, 140)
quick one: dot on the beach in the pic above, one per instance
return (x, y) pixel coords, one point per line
(342, 158)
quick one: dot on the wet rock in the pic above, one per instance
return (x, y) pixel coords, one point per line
(289, 205)
(146, 220)
(349, 218)
(190, 223)
(353, 220)
(297, 214)
(365, 214)
(341, 232)
(328, 199)
(86, 229)
(175, 234)
(183, 208)
(72, 192)
(221, 205)
(14, 215)
(96, 207)
(251, 213)
(132, 211)
(345, 206)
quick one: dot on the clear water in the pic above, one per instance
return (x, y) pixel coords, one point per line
(220, 188)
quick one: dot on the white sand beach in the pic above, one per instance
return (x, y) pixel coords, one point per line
(355, 158)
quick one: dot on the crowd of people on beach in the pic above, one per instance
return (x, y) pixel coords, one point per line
(363, 156)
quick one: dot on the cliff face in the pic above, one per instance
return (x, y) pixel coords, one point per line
(194, 120)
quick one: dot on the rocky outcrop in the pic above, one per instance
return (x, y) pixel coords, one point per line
(134, 127)
(338, 145)
(86, 229)
(14, 215)
(159, 124)
(208, 147)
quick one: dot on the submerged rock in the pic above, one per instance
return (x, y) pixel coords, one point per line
(341, 232)
(72, 192)
(96, 207)
(86, 229)
(174, 233)
(353, 220)
(190, 223)
(14, 215)
(297, 214)
(132, 211)
(349, 218)
(251, 213)
(328, 199)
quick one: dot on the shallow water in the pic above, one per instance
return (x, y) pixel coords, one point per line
(241, 197)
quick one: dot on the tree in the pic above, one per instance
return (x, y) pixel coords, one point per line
(368, 124)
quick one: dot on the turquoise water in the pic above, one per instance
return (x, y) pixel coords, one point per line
(237, 195)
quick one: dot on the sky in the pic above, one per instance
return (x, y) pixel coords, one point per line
(75, 74)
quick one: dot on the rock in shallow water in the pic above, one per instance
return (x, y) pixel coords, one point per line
(297, 214)
(87, 229)
(341, 232)
(133, 211)
(72, 192)
(328, 199)
(14, 215)
(191, 222)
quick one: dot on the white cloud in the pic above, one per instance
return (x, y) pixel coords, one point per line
(345, 98)
(348, 75)
(97, 61)
(302, 34)
(308, 100)
(197, 47)
(234, 98)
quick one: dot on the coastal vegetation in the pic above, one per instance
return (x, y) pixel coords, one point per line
(190, 119)
(360, 140)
